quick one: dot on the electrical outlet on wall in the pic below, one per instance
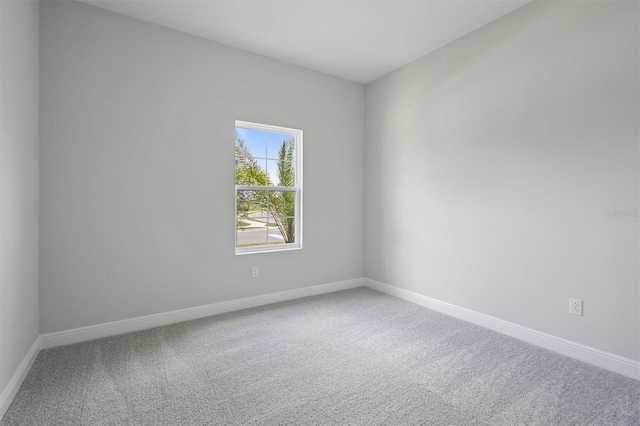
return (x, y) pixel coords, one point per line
(255, 272)
(386, 263)
(575, 307)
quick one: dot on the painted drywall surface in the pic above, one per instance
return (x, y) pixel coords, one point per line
(490, 164)
(137, 169)
(18, 183)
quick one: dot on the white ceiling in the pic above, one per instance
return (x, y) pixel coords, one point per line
(359, 40)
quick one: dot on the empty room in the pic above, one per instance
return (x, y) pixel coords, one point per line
(349, 212)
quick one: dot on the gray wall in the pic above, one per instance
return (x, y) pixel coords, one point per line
(490, 164)
(137, 169)
(18, 183)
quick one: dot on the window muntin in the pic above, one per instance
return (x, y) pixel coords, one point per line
(268, 189)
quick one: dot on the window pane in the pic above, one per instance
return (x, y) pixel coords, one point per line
(251, 237)
(250, 162)
(274, 144)
(250, 204)
(272, 171)
(254, 140)
(243, 203)
(274, 235)
(265, 217)
(281, 173)
(282, 206)
(252, 172)
(249, 228)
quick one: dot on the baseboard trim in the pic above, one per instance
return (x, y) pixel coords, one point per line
(12, 388)
(602, 359)
(98, 331)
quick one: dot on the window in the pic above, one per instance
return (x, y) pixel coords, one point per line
(268, 168)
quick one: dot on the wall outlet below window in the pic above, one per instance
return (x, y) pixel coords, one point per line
(255, 272)
(575, 307)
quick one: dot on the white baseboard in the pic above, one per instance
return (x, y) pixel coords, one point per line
(10, 391)
(608, 361)
(83, 334)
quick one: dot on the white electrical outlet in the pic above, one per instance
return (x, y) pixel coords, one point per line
(575, 307)
(255, 272)
(386, 263)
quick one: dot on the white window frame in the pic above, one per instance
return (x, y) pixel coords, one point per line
(297, 245)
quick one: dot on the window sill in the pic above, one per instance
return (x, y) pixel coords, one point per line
(267, 249)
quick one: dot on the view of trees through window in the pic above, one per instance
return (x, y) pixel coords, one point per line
(266, 186)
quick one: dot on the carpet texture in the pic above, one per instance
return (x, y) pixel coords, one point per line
(355, 357)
